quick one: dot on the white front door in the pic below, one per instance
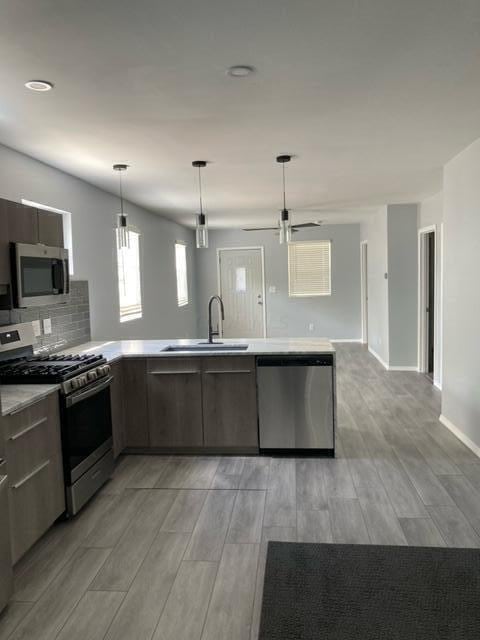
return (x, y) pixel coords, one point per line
(242, 289)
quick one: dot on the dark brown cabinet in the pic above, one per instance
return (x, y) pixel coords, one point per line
(50, 228)
(229, 402)
(135, 402)
(118, 410)
(4, 246)
(22, 223)
(175, 402)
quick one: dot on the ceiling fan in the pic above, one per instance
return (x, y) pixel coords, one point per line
(284, 227)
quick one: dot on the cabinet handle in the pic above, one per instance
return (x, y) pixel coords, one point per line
(170, 373)
(36, 424)
(212, 372)
(30, 475)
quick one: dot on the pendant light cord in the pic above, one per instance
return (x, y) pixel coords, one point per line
(200, 188)
(121, 193)
(284, 200)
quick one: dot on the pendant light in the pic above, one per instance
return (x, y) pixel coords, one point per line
(284, 224)
(201, 222)
(123, 237)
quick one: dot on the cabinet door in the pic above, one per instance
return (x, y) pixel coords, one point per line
(135, 402)
(116, 397)
(22, 223)
(35, 472)
(175, 402)
(230, 402)
(4, 245)
(50, 228)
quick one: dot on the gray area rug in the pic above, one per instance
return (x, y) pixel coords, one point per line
(366, 592)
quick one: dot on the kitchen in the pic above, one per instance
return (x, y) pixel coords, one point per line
(234, 388)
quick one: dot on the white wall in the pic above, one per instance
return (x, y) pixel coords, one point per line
(93, 219)
(375, 233)
(335, 317)
(461, 305)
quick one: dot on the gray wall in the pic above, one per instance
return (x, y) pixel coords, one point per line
(461, 307)
(336, 316)
(93, 219)
(70, 322)
(402, 284)
(375, 233)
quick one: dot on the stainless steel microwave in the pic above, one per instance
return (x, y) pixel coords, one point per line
(40, 275)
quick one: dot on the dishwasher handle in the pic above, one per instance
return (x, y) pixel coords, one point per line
(325, 360)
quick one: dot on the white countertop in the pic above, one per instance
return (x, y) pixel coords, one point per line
(18, 396)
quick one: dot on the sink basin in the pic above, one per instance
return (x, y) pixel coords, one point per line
(205, 346)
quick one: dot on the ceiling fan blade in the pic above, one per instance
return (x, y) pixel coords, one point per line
(305, 225)
(261, 229)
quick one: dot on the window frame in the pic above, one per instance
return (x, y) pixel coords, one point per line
(137, 309)
(291, 293)
(181, 302)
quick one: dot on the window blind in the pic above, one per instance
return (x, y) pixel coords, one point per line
(181, 269)
(309, 269)
(129, 285)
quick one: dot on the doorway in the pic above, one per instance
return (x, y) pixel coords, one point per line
(364, 289)
(427, 338)
(241, 285)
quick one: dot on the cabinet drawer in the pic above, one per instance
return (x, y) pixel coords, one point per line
(228, 364)
(32, 437)
(35, 502)
(164, 366)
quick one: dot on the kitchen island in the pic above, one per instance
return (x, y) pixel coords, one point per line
(185, 396)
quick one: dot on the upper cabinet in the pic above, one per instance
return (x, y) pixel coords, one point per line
(22, 223)
(50, 228)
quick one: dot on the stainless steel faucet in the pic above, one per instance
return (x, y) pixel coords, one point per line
(211, 332)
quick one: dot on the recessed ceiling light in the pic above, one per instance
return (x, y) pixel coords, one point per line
(39, 85)
(240, 71)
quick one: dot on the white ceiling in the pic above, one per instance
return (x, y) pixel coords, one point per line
(372, 96)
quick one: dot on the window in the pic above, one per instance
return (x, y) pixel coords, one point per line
(129, 287)
(309, 269)
(67, 228)
(181, 269)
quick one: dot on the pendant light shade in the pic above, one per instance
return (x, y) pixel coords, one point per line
(284, 224)
(123, 237)
(201, 220)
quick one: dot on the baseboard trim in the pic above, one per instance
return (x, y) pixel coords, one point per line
(460, 435)
(346, 340)
(375, 355)
(391, 367)
(437, 384)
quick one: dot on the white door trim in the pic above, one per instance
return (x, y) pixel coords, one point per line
(422, 302)
(364, 290)
(219, 288)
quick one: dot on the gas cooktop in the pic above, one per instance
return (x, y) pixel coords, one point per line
(47, 368)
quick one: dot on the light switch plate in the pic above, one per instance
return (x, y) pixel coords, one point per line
(37, 328)
(47, 326)
(272, 289)
(311, 326)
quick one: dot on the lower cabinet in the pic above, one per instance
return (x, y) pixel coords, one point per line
(35, 472)
(175, 402)
(229, 402)
(134, 375)
(118, 409)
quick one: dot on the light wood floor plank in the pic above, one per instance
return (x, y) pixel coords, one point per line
(187, 604)
(211, 528)
(230, 611)
(123, 563)
(314, 526)
(380, 518)
(255, 474)
(184, 511)
(280, 506)
(247, 517)
(92, 616)
(142, 607)
(454, 527)
(465, 496)
(421, 532)
(11, 617)
(310, 484)
(348, 525)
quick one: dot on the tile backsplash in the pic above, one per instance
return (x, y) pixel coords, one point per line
(70, 321)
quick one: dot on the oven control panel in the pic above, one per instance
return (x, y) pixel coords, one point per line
(86, 378)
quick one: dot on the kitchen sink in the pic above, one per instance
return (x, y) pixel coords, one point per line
(206, 346)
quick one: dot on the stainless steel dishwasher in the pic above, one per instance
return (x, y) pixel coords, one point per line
(296, 404)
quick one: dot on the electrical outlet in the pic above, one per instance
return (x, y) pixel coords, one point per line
(47, 326)
(311, 326)
(37, 329)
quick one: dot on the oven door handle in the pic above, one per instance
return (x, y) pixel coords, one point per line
(79, 397)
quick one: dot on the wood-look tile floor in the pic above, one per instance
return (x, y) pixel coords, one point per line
(174, 548)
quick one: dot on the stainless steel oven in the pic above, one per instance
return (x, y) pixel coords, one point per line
(86, 441)
(41, 274)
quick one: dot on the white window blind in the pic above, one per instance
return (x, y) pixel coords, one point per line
(181, 268)
(309, 269)
(129, 285)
